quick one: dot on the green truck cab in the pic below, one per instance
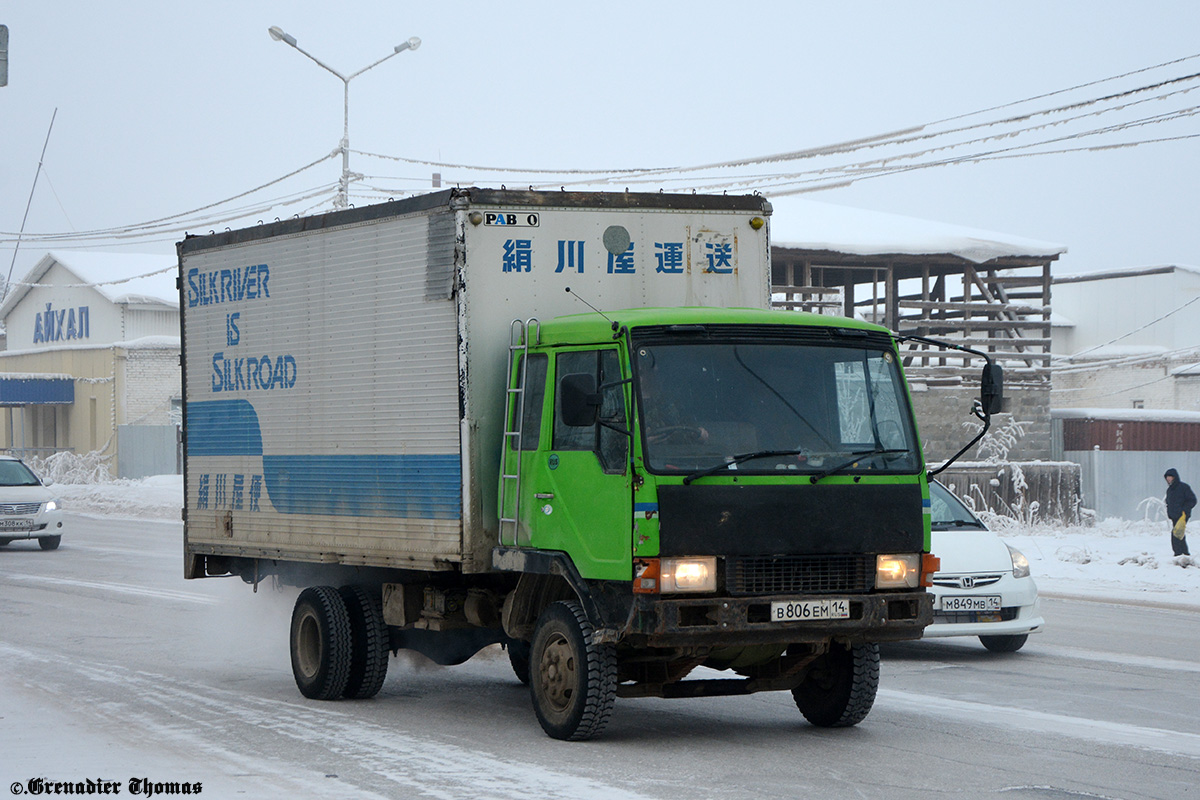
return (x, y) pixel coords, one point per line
(735, 489)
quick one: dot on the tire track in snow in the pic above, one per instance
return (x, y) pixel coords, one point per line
(1104, 732)
(225, 724)
(119, 588)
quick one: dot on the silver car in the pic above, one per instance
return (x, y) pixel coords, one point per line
(28, 510)
(983, 587)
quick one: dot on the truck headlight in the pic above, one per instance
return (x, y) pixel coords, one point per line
(898, 572)
(1019, 561)
(693, 574)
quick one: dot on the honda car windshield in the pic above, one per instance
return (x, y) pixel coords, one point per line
(710, 407)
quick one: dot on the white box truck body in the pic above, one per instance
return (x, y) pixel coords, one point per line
(345, 374)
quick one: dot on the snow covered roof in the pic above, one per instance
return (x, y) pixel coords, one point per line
(123, 278)
(1126, 414)
(1112, 351)
(1126, 272)
(809, 225)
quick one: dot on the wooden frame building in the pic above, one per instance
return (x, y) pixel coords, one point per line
(978, 289)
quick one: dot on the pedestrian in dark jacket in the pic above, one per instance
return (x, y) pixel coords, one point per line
(1180, 502)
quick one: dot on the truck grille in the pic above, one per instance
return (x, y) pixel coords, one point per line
(22, 509)
(824, 574)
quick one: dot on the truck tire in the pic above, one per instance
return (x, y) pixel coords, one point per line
(518, 657)
(49, 542)
(321, 643)
(573, 681)
(1004, 644)
(369, 643)
(840, 688)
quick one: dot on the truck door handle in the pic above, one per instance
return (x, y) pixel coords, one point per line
(544, 496)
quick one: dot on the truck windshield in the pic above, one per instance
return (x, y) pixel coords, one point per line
(763, 408)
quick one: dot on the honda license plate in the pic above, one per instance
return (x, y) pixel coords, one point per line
(989, 602)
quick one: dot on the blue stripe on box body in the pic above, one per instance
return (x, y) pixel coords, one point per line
(412, 487)
(403, 486)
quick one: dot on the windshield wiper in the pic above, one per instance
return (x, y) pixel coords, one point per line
(738, 460)
(855, 458)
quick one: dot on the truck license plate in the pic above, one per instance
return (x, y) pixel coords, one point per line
(801, 610)
(16, 524)
(990, 602)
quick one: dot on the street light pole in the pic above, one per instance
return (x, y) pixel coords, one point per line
(277, 33)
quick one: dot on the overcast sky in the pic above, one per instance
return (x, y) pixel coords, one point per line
(165, 107)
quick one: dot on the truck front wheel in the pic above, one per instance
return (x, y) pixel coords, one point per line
(840, 688)
(321, 643)
(573, 681)
(518, 658)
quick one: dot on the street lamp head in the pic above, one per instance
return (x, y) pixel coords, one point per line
(278, 35)
(411, 44)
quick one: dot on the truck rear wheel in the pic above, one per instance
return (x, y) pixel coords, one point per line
(573, 681)
(321, 643)
(369, 643)
(840, 688)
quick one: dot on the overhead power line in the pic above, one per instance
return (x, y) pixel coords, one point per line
(939, 143)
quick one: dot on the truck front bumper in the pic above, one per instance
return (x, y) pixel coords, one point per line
(739, 621)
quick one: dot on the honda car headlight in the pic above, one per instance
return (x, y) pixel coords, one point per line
(1019, 561)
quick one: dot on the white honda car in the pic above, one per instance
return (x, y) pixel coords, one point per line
(983, 587)
(28, 510)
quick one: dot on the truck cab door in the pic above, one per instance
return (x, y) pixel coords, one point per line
(577, 489)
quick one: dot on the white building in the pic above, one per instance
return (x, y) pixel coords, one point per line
(92, 360)
(1127, 339)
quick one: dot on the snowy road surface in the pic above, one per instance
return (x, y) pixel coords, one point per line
(116, 668)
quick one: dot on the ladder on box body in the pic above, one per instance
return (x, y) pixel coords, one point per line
(519, 334)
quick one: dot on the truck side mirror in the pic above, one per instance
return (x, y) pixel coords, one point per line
(991, 389)
(579, 400)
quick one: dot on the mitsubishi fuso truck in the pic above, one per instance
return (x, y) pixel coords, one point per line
(564, 423)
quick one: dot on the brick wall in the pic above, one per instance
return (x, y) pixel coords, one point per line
(151, 381)
(946, 422)
(1145, 385)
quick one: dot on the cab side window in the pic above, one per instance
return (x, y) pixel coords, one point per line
(607, 441)
(535, 395)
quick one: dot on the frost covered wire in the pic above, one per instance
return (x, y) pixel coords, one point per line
(182, 219)
(925, 140)
(906, 136)
(172, 268)
(172, 232)
(875, 167)
(520, 171)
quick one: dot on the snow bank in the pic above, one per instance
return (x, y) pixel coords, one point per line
(159, 497)
(1114, 559)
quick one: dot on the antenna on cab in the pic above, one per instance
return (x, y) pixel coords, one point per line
(592, 307)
